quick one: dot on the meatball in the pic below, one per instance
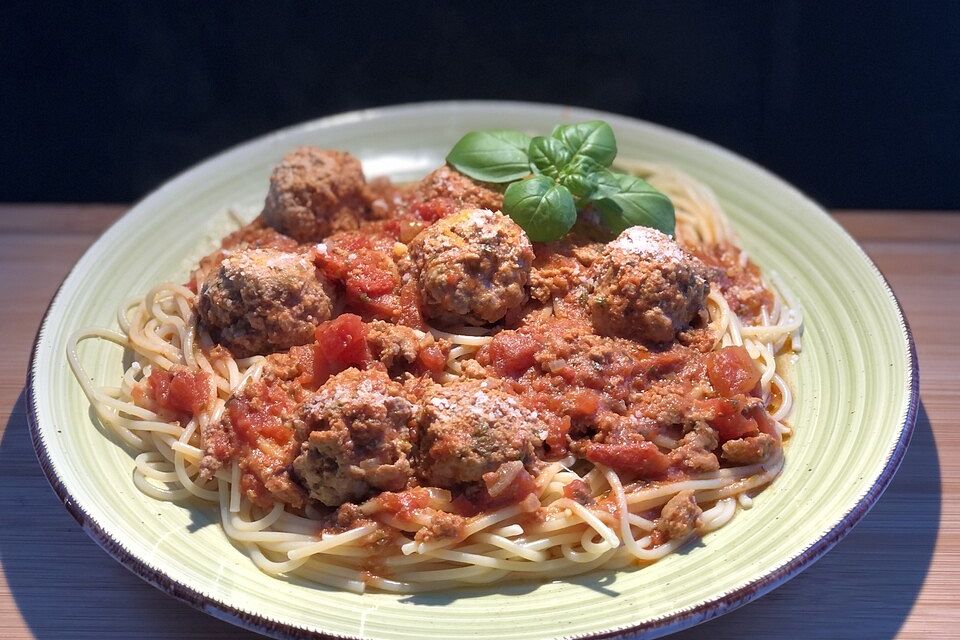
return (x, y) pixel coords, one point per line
(315, 192)
(644, 286)
(356, 438)
(469, 428)
(449, 184)
(261, 300)
(472, 267)
(251, 236)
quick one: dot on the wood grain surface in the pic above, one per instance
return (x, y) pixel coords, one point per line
(896, 575)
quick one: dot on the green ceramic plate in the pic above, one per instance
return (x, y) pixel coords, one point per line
(856, 385)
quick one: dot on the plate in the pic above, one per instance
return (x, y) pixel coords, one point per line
(856, 385)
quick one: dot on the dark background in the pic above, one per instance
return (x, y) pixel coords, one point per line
(858, 104)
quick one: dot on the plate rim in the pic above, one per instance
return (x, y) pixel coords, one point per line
(707, 610)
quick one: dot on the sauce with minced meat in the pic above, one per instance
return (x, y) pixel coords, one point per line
(604, 397)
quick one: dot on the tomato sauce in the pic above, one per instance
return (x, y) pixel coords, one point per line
(435, 209)
(476, 499)
(510, 354)
(362, 263)
(259, 413)
(405, 503)
(606, 398)
(740, 284)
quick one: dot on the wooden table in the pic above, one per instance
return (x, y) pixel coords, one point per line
(898, 573)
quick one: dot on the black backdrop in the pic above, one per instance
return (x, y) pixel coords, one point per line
(856, 103)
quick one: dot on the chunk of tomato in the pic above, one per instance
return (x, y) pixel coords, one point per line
(733, 426)
(431, 359)
(732, 371)
(641, 458)
(341, 343)
(182, 390)
(410, 315)
(764, 422)
(581, 403)
(578, 491)
(556, 439)
(510, 353)
(404, 503)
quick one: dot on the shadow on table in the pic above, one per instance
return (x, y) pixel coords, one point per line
(866, 586)
(65, 587)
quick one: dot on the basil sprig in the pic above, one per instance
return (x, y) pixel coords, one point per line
(551, 178)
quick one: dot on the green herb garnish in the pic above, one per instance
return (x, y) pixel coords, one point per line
(551, 178)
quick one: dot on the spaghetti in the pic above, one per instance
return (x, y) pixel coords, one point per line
(546, 535)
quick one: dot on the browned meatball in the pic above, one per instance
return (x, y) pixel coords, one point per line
(471, 427)
(315, 192)
(472, 267)
(261, 300)
(251, 236)
(356, 435)
(449, 184)
(645, 286)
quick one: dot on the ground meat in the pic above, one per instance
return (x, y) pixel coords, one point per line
(219, 447)
(315, 192)
(398, 347)
(447, 183)
(679, 516)
(443, 526)
(646, 287)
(472, 267)
(749, 450)
(383, 198)
(739, 280)
(559, 267)
(356, 438)
(471, 427)
(260, 300)
(349, 516)
(257, 235)
(294, 364)
(695, 452)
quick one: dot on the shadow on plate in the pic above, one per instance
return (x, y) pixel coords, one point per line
(65, 587)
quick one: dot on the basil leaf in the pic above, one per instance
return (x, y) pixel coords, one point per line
(581, 185)
(543, 208)
(548, 155)
(607, 184)
(498, 155)
(593, 139)
(636, 204)
(580, 176)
